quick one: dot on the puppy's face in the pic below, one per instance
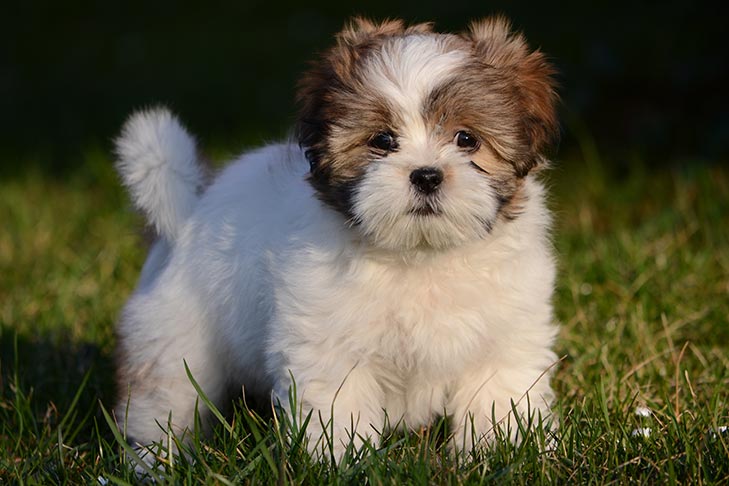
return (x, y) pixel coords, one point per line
(424, 139)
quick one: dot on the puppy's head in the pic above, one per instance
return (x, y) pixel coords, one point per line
(424, 139)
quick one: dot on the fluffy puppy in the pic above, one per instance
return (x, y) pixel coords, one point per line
(394, 261)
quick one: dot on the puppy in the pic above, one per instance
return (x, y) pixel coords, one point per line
(392, 263)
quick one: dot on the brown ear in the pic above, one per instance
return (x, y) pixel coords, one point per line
(499, 47)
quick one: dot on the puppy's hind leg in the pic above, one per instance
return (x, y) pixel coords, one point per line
(155, 394)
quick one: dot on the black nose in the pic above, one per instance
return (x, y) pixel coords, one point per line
(426, 179)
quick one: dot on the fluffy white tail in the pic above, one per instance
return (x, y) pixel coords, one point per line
(157, 161)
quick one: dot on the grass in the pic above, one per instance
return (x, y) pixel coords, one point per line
(643, 297)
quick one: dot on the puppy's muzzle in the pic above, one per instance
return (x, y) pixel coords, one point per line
(426, 179)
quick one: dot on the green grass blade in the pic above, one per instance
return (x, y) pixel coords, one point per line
(129, 450)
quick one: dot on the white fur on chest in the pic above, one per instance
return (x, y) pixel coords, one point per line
(432, 314)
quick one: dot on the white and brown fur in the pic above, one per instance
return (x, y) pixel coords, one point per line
(326, 262)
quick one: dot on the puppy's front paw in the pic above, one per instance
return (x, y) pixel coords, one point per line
(148, 461)
(336, 422)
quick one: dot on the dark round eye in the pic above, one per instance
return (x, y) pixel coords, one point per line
(383, 141)
(466, 140)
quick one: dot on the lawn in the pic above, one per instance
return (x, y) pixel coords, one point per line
(642, 295)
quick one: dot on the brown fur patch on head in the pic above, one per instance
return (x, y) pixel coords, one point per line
(481, 101)
(531, 75)
(361, 31)
(334, 100)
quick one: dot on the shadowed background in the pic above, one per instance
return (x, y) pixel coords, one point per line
(640, 190)
(646, 79)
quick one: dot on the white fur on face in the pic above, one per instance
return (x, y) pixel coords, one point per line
(386, 204)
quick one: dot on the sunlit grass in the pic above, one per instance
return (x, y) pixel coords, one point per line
(643, 297)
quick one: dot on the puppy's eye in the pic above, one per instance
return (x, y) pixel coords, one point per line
(466, 140)
(383, 141)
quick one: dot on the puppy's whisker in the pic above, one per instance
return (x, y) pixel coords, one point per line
(479, 168)
(353, 221)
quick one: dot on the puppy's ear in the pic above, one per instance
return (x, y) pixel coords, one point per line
(497, 46)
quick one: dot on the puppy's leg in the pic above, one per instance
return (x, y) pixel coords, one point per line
(343, 409)
(486, 399)
(156, 339)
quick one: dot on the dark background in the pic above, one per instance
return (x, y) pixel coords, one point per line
(646, 80)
